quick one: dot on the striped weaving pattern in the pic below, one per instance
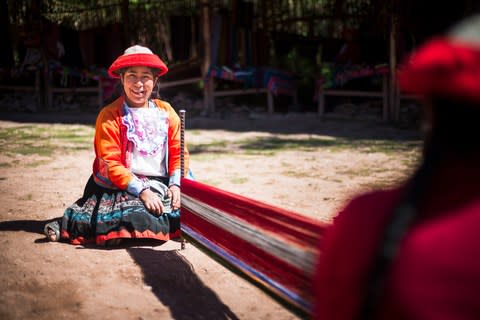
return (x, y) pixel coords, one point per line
(273, 247)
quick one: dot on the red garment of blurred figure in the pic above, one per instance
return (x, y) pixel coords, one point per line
(413, 252)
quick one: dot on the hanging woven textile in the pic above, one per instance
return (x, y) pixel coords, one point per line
(273, 247)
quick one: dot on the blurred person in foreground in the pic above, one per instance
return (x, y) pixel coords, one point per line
(413, 252)
(134, 190)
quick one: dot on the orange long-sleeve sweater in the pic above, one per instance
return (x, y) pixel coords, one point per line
(113, 151)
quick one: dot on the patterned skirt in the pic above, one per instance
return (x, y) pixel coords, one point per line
(104, 214)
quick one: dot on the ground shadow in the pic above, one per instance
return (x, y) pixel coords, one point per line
(276, 124)
(171, 277)
(306, 124)
(33, 226)
(174, 282)
(86, 118)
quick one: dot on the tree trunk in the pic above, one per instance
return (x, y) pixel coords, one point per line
(6, 54)
(193, 38)
(393, 109)
(125, 23)
(206, 36)
(165, 36)
(207, 55)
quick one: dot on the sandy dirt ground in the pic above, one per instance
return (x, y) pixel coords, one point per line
(290, 161)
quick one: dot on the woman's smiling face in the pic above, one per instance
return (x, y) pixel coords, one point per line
(138, 83)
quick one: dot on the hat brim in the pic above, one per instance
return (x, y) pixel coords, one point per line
(135, 60)
(443, 68)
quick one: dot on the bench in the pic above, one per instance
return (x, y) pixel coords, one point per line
(332, 84)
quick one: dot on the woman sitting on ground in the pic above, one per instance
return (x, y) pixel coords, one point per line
(134, 191)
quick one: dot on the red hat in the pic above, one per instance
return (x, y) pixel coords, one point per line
(137, 56)
(446, 67)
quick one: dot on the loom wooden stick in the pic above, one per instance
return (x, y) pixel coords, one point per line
(182, 158)
(182, 142)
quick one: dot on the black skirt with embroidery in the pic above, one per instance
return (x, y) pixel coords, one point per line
(103, 214)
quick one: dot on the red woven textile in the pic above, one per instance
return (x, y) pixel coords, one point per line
(288, 276)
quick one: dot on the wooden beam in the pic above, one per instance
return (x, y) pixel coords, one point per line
(383, 94)
(238, 92)
(168, 84)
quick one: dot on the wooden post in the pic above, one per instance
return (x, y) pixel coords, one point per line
(211, 95)
(38, 94)
(393, 99)
(207, 53)
(385, 95)
(270, 102)
(321, 103)
(48, 94)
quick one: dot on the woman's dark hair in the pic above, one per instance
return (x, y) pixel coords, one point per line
(454, 131)
(455, 125)
(116, 93)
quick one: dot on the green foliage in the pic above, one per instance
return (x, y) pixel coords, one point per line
(303, 68)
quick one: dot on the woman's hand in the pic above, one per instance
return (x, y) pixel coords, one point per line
(174, 195)
(152, 201)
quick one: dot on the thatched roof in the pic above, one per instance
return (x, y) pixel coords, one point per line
(302, 17)
(83, 15)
